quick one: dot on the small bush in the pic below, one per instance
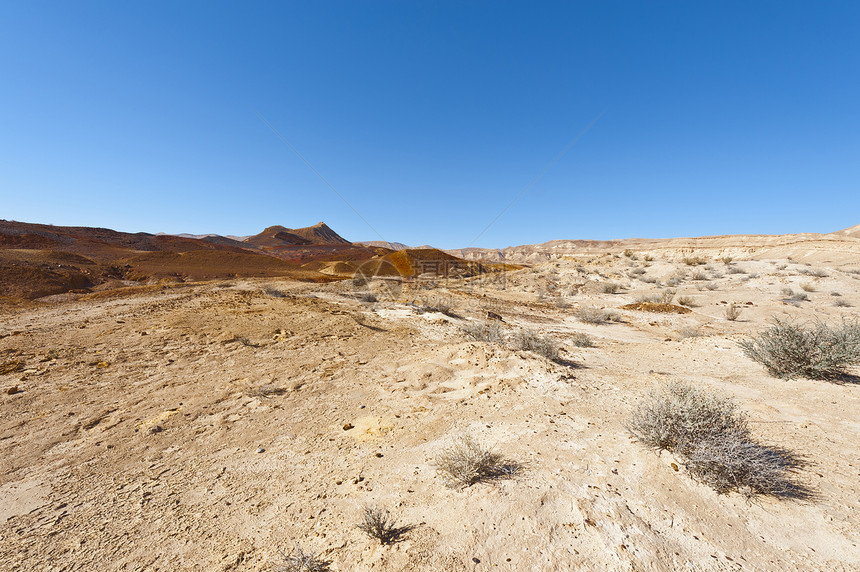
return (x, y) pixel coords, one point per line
(819, 351)
(736, 270)
(817, 272)
(369, 297)
(807, 286)
(687, 301)
(380, 525)
(694, 260)
(485, 331)
(301, 561)
(840, 303)
(726, 260)
(799, 297)
(438, 306)
(612, 316)
(531, 341)
(610, 288)
(711, 286)
(699, 275)
(679, 416)
(648, 258)
(712, 437)
(733, 312)
(628, 253)
(689, 332)
(591, 314)
(468, 462)
(582, 340)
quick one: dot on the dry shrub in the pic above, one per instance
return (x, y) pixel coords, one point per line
(840, 303)
(301, 561)
(818, 351)
(591, 314)
(689, 332)
(712, 437)
(694, 260)
(582, 340)
(380, 525)
(687, 301)
(807, 286)
(610, 288)
(733, 312)
(485, 331)
(531, 341)
(468, 462)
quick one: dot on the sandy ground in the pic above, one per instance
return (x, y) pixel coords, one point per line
(210, 427)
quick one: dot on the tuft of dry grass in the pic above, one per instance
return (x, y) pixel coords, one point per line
(380, 525)
(694, 260)
(733, 312)
(582, 340)
(531, 341)
(687, 301)
(300, 561)
(807, 286)
(610, 288)
(468, 462)
(485, 331)
(591, 314)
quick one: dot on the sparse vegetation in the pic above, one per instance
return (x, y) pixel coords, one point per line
(468, 462)
(531, 341)
(689, 332)
(726, 260)
(380, 525)
(712, 437)
(736, 270)
(591, 314)
(840, 303)
(582, 340)
(694, 260)
(699, 275)
(807, 286)
(610, 288)
(301, 561)
(687, 301)
(733, 312)
(818, 351)
(369, 297)
(485, 331)
(664, 297)
(817, 272)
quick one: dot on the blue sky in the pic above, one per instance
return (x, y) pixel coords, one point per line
(430, 117)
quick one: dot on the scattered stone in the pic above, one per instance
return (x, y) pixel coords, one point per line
(155, 429)
(13, 390)
(260, 450)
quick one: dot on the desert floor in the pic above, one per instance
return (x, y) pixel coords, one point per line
(212, 426)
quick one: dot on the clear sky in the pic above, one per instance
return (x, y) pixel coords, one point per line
(430, 117)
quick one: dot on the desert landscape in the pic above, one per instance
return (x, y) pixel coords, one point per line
(295, 401)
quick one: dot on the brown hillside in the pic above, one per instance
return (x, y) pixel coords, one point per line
(279, 236)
